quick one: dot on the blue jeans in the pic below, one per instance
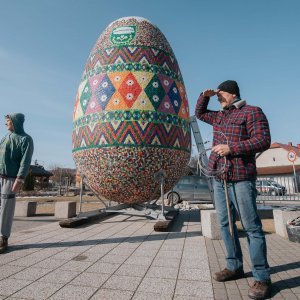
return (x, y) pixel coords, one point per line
(242, 197)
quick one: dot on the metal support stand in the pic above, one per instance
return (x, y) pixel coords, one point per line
(80, 196)
(200, 147)
(95, 193)
(82, 181)
(153, 211)
(160, 175)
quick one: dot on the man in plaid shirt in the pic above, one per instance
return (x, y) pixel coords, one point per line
(240, 131)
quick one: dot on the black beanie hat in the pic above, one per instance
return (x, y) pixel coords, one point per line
(230, 86)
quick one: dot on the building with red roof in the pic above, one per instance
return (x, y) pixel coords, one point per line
(274, 163)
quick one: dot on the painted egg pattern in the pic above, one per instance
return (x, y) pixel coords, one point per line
(131, 114)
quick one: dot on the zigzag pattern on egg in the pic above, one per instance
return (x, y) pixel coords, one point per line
(131, 134)
(126, 55)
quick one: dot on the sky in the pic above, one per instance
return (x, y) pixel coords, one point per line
(44, 45)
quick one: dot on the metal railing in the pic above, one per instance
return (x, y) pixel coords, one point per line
(275, 188)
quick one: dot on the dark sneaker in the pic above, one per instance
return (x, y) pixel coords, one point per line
(260, 290)
(226, 275)
(3, 244)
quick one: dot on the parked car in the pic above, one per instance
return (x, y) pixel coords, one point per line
(192, 188)
(270, 187)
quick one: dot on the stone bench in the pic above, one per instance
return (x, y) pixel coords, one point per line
(281, 217)
(210, 226)
(65, 209)
(25, 208)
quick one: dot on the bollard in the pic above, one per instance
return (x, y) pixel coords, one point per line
(209, 223)
(25, 208)
(65, 209)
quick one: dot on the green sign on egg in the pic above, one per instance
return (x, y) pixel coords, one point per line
(123, 35)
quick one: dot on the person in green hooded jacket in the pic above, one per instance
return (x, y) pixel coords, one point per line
(16, 150)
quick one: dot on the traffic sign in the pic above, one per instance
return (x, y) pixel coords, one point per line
(292, 155)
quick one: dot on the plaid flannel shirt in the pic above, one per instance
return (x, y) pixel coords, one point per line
(245, 129)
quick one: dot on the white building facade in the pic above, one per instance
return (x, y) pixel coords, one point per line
(274, 164)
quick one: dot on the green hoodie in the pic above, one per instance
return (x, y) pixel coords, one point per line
(16, 150)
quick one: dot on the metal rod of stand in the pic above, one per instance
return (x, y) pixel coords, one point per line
(162, 195)
(228, 209)
(81, 193)
(95, 193)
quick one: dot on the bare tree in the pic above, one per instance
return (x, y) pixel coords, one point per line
(60, 174)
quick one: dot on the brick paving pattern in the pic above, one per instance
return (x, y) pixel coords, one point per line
(284, 260)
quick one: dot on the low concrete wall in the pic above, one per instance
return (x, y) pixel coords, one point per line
(281, 217)
(65, 209)
(25, 208)
(210, 226)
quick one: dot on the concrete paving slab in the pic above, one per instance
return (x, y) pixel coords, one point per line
(74, 292)
(126, 283)
(50, 263)
(162, 272)
(120, 250)
(75, 266)
(29, 261)
(172, 247)
(107, 294)
(64, 255)
(111, 258)
(26, 223)
(179, 297)
(31, 274)
(166, 262)
(151, 296)
(157, 285)
(168, 254)
(90, 279)
(145, 252)
(118, 258)
(102, 267)
(198, 289)
(38, 290)
(132, 270)
(194, 274)
(79, 248)
(59, 276)
(199, 262)
(7, 271)
(139, 260)
(9, 286)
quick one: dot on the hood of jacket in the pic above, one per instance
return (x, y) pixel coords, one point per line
(18, 122)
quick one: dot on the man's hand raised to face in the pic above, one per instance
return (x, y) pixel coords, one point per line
(210, 93)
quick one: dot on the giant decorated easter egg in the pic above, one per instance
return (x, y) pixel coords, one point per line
(131, 114)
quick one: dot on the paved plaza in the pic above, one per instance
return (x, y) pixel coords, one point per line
(122, 257)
